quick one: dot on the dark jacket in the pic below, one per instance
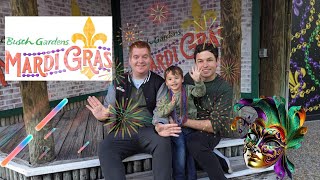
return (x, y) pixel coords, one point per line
(149, 87)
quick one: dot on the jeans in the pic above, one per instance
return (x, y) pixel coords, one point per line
(200, 145)
(182, 161)
(113, 150)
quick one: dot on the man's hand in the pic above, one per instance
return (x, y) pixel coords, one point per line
(195, 74)
(97, 109)
(166, 130)
(201, 125)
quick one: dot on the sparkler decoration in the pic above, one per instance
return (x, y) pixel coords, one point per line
(17, 150)
(117, 74)
(218, 112)
(230, 70)
(212, 31)
(51, 114)
(44, 153)
(158, 13)
(49, 133)
(130, 33)
(118, 37)
(125, 117)
(84, 146)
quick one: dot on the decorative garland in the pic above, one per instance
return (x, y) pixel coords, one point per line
(183, 107)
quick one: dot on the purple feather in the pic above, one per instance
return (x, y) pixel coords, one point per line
(245, 102)
(279, 169)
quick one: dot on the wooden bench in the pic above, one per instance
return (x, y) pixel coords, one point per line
(237, 164)
(90, 168)
(142, 162)
(223, 143)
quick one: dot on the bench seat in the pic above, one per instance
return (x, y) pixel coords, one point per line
(223, 143)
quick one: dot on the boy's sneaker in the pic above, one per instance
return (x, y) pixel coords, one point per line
(224, 161)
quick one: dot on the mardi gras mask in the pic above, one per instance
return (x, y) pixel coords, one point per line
(263, 146)
(272, 133)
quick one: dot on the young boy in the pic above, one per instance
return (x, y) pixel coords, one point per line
(180, 106)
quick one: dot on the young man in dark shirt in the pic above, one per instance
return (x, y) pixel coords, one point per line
(213, 114)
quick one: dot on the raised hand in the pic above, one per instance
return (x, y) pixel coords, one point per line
(195, 74)
(166, 130)
(98, 110)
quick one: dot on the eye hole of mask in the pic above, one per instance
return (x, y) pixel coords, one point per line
(272, 144)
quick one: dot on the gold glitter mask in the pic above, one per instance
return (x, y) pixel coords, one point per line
(263, 146)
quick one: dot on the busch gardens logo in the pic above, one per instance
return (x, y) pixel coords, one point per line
(40, 41)
(61, 58)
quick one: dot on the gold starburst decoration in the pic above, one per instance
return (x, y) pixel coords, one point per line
(212, 32)
(230, 70)
(218, 111)
(158, 13)
(129, 34)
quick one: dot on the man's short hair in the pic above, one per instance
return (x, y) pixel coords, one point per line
(206, 47)
(139, 44)
(175, 70)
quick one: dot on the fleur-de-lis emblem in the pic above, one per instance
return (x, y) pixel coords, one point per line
(75, 10)
(198, 21)
(87, 72)
(89, 37)
(294, 84)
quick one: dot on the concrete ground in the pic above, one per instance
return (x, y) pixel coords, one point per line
(307, 158)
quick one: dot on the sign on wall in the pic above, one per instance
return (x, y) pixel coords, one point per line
(58, 48)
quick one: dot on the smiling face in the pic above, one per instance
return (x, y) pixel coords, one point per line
(140, 61)
(207, 62)
(174, 81)
(263, 146)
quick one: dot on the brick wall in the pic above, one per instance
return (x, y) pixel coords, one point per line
(10, 95)
(246, 50)
(135, 14)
